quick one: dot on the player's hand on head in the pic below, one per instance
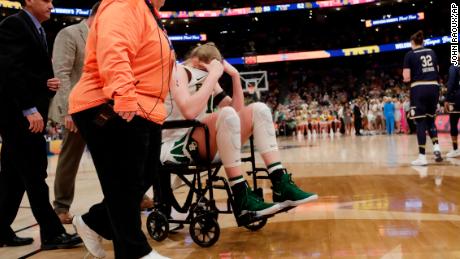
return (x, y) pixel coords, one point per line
(214, 66)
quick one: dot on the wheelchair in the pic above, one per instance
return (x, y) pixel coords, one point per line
(200, 206)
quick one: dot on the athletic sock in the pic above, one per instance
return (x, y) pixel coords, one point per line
(238, 185)
(432, 130)
(421, 149)
(421, 135)
(275, 171)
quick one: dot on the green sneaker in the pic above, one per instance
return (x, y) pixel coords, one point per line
(249, 202)
(287, 194)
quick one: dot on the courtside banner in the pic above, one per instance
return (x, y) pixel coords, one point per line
(443, 124)
(319, 54)
(398, 19)
(222, 12)
(191, 37)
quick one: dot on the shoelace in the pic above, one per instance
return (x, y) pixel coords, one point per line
(291, 181)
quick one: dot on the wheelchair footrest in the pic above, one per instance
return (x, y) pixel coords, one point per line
(250, 218)
(286, 209)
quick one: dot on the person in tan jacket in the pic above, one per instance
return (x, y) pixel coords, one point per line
(68, 58)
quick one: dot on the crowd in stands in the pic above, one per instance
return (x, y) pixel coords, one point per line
(324, 104)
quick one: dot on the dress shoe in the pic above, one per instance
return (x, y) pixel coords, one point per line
(65, 217)
(61, 241)
(17, 241)
(91, 239)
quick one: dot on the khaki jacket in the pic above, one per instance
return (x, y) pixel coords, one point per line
(68, 60)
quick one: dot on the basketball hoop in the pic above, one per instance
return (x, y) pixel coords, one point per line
(251, 89)
(254, 82)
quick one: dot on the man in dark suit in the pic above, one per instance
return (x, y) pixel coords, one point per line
(27, 85)
(357, 118)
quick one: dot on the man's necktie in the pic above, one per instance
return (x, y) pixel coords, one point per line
(43, 38)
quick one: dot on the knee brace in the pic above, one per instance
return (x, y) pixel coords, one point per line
(263, 128)
(228, 137)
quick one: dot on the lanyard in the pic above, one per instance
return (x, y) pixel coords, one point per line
(159, 23)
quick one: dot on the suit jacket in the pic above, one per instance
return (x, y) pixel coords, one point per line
(25, 67)
(68, 60)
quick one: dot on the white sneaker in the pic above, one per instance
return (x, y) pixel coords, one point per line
(454, 161)
(421, 161)
(453, 153)
(437, 153)
(154, 255)
(92, 240)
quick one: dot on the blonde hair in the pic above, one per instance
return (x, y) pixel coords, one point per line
(206, 52)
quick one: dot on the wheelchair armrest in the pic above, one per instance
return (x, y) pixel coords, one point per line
(177, 124)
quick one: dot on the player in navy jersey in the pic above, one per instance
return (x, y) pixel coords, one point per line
(453, 107)
(421, 71)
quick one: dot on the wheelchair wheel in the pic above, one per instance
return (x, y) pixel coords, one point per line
(198, 210)
(157, 226)
(204, 230)
(254, 226)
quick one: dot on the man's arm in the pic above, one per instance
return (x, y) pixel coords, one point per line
(13, 44)
(64, 52)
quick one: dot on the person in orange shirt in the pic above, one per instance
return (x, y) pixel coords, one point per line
(118, 108)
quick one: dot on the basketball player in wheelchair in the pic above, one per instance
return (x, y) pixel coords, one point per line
(195, 82)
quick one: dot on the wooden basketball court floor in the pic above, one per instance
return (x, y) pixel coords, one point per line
(372, 204)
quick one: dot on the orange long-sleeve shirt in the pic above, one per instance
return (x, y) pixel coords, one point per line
(128, 59)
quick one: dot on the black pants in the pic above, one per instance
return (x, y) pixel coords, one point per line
(358, 125)
(126, 156)
(342, 126)
(23, 169)
(454, 115)
(411, 124)
(453, 119)
(424, 100)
